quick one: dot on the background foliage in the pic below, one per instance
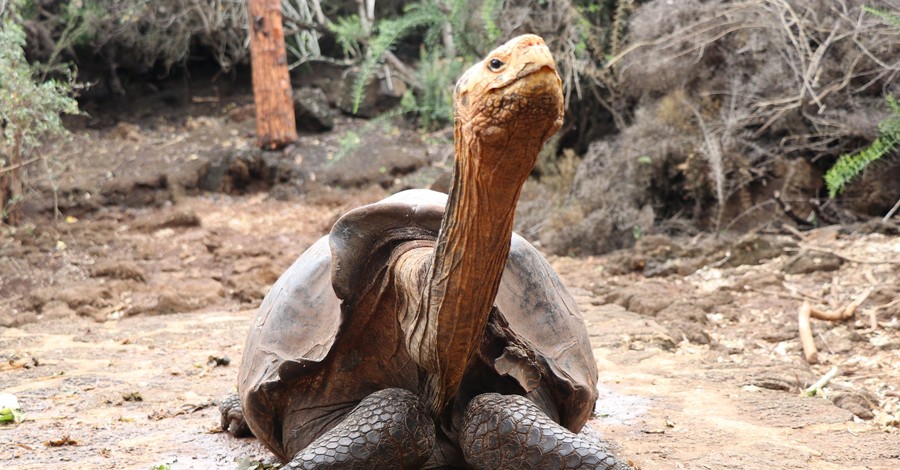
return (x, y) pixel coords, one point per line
(30, 105)
(682, 116)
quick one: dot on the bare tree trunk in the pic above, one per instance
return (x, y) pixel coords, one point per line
(275, 122)
(11, 185)
(5, 195)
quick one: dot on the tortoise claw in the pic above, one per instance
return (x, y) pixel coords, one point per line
(232, 418)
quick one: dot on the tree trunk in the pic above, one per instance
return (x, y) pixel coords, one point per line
(11, 187)
(275, 121)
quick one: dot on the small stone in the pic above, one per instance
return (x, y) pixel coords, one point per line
(807, 262)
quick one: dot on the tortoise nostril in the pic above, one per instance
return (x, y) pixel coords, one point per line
(533, 41)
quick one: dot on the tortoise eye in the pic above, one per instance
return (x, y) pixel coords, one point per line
(495, 64)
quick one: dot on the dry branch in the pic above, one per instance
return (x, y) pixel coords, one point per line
(814, 388)
(891, 212)
(843, 314)
(807, 311)
(806, 337)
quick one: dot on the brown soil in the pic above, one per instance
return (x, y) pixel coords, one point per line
(111, 319)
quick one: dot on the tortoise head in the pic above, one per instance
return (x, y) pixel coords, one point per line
(513, 94)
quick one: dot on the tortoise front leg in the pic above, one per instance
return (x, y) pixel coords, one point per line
(509, 432)
(233, 416)
(388, 429)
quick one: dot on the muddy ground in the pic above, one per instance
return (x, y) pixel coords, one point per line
(123, 317)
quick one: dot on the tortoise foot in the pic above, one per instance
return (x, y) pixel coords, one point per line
(233, 416)
(510, 432)
(388, 429)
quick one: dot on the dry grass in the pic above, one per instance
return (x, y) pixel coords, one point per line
(714, 95)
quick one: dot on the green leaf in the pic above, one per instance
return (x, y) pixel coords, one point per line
(10, 412)
(389, 33)
(849, 166)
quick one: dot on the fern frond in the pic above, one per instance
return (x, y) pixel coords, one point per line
(624, 9)
(489, 11)
(849, 166)
(348, 32)
(891, 17)
(894, 105)
(389, 32)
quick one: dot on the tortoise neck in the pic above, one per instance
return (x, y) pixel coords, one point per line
(470, 253)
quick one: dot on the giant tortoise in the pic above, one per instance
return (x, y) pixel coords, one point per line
(422, 332)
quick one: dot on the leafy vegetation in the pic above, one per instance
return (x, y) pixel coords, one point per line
(10, 412)
(141, 34)
(849, 166)
(29, 111)
(449, 40)
(689, 109)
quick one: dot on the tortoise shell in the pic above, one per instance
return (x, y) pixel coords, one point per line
(535, 344)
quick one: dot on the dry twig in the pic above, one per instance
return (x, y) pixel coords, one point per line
(805, 330)
(814, 388)
(843, 314)
(806, 337)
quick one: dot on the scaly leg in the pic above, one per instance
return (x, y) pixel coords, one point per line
(233, 416)
(509, 432)
(388, 429)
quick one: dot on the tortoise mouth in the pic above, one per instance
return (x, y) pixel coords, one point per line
(533, 79)
(532, 69)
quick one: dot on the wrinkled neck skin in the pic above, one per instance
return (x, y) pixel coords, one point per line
(507, 106)
(468, 260)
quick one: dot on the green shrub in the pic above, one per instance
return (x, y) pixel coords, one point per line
(29, 111)
(141, 34)
(849, 166)
(454, 32)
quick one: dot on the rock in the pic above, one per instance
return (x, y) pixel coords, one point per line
(57, 309)
(75, 296)
(685, 318)
(647, 304)
(443, 182)
(857, 403)
(127, 131)
(251, 286)
(807, 262)
(760, 280)
(174, 219)
(385, 157)
(753, 250)
(684, 310)
(690, 331)
(709, 302)
(799, 180)
(877, 226)
(142, 302)
(193, 123)
(434, 178)
(118, 269)
(241, 113)
(874, 192)
(186, 176)
(189, 294)
(312, 110)
(237, 171)
(12, 318)
(147, 189)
